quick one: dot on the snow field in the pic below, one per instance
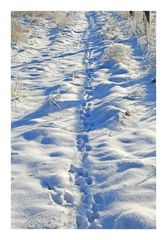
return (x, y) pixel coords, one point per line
(78, 160)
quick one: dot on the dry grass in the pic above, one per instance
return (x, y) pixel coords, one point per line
(33, 14)
(17, 31)
(16, 90)
(61, 18)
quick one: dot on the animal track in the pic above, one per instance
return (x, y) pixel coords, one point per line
(84, 137)
(61, 197)
(57, 198)
(87, 199)
(88, 148)
(82, 222)
(79, 181)
(68, 197)
(77, 171)
(84, 189)
(98, 198)
(89, 180)
(87, 215)
(90, 216)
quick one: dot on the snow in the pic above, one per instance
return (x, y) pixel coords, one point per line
(78, 161)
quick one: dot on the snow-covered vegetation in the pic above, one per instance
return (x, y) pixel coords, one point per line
(83, 120)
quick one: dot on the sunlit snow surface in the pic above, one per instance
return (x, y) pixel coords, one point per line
(78, 161)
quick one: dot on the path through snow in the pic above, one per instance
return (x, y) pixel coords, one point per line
(78, 161)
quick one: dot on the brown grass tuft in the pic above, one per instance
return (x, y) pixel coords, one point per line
(17, 31)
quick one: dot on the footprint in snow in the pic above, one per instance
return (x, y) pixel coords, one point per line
(61, 197)
(98, 199)
(92, 215)
(78, 171)
(82, 222)
(87, 199)
(89, 180)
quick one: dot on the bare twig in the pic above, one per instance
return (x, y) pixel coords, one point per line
(54, 97)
